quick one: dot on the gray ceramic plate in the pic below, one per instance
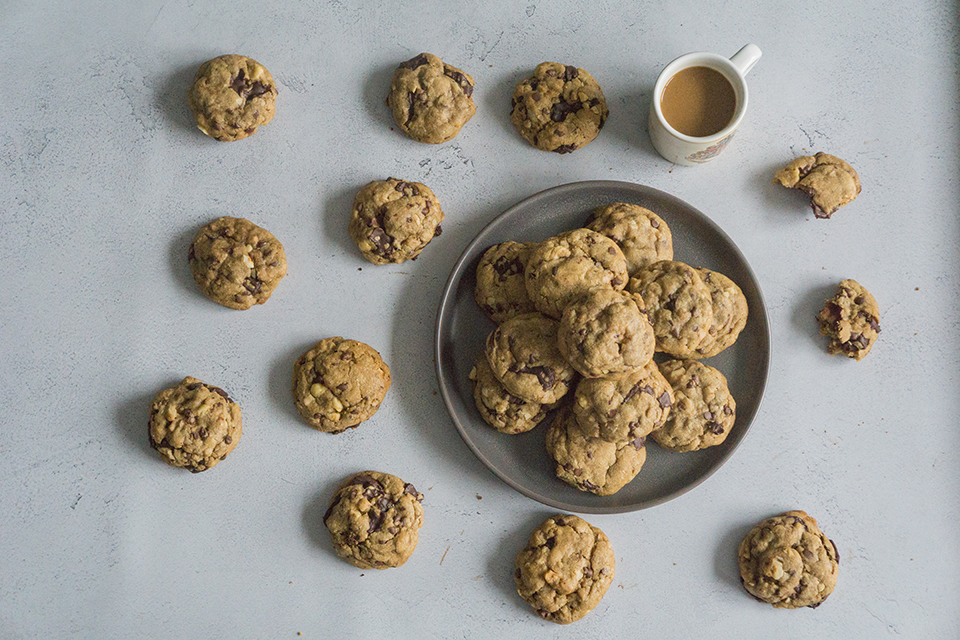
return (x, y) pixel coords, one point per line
(521, 460)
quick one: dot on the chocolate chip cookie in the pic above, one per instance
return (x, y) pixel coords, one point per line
(641, 234)
(729, 313)
(592, 464)
(374, 520)
(559, 108)
(231, 96)
(524, 356)
(498, 407)
(606, 333)
(623, 409)
(829, 181)
(570, 264)
(703, 411)
(338, 383)
(194, 425)
(679, 305)
(565, 569)
(501, 291)
(851, 319)
(393, 220)
(788, 562)
(431, 100)
(236, 263)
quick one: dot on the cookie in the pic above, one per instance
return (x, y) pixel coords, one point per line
(338, 383)
(430, 100)
(569, 264)
(851, 319)
(392, 220)
(524, 356)
(703, 410)
(679, 305)
(592, 464)
(374, 520)
(498, 407)
(606, 333)
(559, 108)
(641, 234)
(231, 96)
(623, 409)
(788, 562)
(565, 569)
(194, 425)
(729, 313)
(501, 291)
(829, 181)
(236, 263)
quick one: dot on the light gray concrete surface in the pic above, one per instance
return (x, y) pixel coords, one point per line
(104, 180)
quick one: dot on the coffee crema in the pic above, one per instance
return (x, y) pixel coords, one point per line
(698, 101)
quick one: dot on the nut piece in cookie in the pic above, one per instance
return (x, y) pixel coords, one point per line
(829, 181)
(338, 383)
(393, 220)
(231, 96)
(788, 562)
(729, 314)
(592, 464)
(606, 333)
(498, 407)
(565, 569)
(679, 305)
(559, 108)
(236, 263)
(524, 356)
(431, 100)
(569, 264)
(501, 291)
(625, 408)
(851, 319)
(374, 520)
(641, 234)
(194, 425)
(703, 412)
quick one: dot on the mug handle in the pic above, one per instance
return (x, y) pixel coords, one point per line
(746, 58)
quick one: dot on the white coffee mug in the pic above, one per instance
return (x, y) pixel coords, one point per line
(687, 150)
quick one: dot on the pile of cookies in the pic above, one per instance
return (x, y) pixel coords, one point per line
(579, 318)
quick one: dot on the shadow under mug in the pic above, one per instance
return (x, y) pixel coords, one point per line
(690, 151)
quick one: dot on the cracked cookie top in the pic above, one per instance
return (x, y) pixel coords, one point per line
(431, 100)
(231, 96)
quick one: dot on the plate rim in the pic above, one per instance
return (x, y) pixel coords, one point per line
(456, 274)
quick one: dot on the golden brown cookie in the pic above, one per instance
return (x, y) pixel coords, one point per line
(194, 425)
(565, 569)
(501, 291)
(559, 108)
(829, 181)
(625, 408)
(851, 319)
(498, 407)
(729, 314)
(236, 263)
(231, 96)
(641, 234)
(431, 100)
(392, 220)
(338, 383)
(788, 562)
(679, 305)
(703, 411)
(374, 520)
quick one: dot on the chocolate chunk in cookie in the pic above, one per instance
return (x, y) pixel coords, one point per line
(194, 425)
(679, 305)
(788, 562)
(392, 220)
(851, 319)
(559, 108)
(374, 520)
(236, 263)
(338, 383)
(829, 181)
(231, 96)
(626, 408)
(431, 100)
(565, 569)
(703, 411)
